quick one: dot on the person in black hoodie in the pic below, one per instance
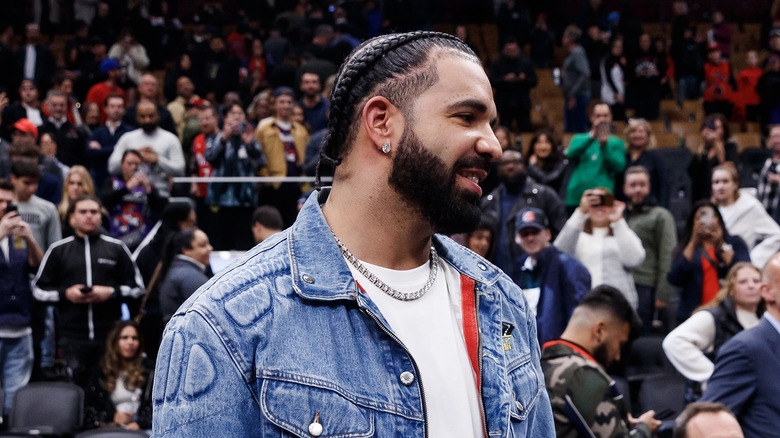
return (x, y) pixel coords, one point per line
(645, 73)
(688, 65)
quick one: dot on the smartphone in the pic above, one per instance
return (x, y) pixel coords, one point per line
(710, 124)
(86, 289)
(707, 216)
(604, 201)
(11, 207)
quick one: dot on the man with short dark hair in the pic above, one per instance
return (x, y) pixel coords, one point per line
(745, 375)
(656, 229)
(575, 81)
(39, 213)
(517, 191)
(19, 255)
(315, 107)
(101, 143)
(707, 420)
(284, 144)
(266, 221)
(148, 91)
(585, 399)
(553, 282)
(28, 107)
(87, 275)
(513, 75)
(161, 150)
(33, 59)
(360, 319)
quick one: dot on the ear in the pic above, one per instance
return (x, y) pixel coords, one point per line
(598, 331)
(382, 121)
(766, 294)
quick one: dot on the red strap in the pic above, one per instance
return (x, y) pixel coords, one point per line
(470, 327)
(574, 347)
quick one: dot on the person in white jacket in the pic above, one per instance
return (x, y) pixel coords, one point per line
(693, 345)
(744, 215)
(599, 237)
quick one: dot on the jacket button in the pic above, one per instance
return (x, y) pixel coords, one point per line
(315, 428)
(407, 378)
(308, 278)
(482, 266)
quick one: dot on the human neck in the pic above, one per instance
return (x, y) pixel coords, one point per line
(753, 308)
(579, 336)
(377, 226)
(310, 101)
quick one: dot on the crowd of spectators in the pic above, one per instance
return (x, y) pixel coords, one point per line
(92, 136)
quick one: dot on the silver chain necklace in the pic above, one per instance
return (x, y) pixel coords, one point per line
(398, 295)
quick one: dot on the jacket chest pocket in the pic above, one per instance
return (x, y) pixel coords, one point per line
(312, 411)
(526, 385)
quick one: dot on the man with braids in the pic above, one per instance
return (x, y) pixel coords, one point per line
(360, 320)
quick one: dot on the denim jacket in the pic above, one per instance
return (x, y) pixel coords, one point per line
(283, 339)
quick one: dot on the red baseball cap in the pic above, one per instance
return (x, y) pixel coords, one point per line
(27, 126)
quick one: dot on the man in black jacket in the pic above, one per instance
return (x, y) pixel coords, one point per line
(513, 75)
(88, 275)
(516, 192)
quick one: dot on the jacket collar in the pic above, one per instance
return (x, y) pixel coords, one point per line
(320, 272)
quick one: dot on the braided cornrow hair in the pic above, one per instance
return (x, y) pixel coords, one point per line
(393, 66)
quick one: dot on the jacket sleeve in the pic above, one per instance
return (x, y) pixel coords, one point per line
(115, 159)
(132, 284)
(685, 346)
(667, 236)
(632, 253)
(595, 403)
(215, 150)
(578, 284)
(578, 145)
(681, 271)
(173, 164)
(615, 155)
(194, 359)
(46, 286)
(733, 382)
(570, 233)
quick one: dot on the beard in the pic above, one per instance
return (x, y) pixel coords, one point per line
(148, 127)
(513, 184)
(428, 186)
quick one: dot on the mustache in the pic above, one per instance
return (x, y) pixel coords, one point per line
(478, 162)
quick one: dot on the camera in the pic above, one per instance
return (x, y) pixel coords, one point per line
(604, 201)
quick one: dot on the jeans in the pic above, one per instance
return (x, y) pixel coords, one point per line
(688, 87)
(16, 357)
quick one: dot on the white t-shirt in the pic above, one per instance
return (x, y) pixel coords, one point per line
(431, 329)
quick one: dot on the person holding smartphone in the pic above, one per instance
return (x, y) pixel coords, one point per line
(714, 150)
(599, 237)
(597, 157)
(20, 254)
(706, 253)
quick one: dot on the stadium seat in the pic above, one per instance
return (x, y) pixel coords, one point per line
(50, 409)
(751, 160)
(678, 183)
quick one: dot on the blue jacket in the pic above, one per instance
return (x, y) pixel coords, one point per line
(689, 275)
(745, 379)
(563, 281)
(15, 290)
(284, 334)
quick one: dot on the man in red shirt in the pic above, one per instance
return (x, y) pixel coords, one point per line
(98, 93)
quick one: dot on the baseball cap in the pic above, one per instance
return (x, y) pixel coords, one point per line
(278, 91)
(712, 45)
(109, 64)
(27, 126)
(530, 218)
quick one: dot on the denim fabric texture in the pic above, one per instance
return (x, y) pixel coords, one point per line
(284, 336)
(16, 357)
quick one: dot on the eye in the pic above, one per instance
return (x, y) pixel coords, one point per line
(466, 117)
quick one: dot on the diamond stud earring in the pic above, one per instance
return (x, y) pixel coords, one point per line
(386, 148)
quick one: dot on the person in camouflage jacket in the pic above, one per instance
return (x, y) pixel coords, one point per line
(585, 399)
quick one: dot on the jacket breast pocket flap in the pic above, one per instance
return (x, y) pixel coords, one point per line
(296, 407)
(525, 382)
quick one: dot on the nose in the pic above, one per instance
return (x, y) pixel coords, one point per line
(488, 145)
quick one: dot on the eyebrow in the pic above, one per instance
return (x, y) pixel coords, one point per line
(473, 104)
